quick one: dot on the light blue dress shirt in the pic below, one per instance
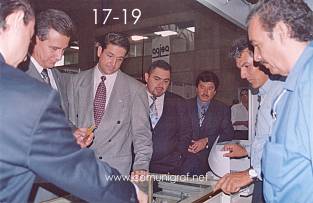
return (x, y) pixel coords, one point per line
(287, 157)
(264, 121)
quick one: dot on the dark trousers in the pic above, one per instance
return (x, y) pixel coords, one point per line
(257, 196)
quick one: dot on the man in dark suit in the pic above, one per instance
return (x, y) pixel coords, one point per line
(210, 119)
(171, 129)
(35, 137)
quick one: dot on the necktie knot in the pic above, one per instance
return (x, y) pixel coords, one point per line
(45, 76)
(103, 78)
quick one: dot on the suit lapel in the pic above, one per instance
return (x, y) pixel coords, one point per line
(209, 114)
(33, 72)
(56, 78)
(195, 118)
(85, 97)
(115, 109)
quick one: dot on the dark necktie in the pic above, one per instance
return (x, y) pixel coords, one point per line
(99, 102)
(153, 112)
(45, 76)
(257, 114)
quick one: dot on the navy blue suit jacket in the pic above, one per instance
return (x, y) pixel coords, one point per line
(36, 140)
(171, 136)
(216, 123)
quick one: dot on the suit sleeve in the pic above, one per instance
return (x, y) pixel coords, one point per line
(226, 129)
(184, 127)
(141, 132)
(54, 156)
(70, 104)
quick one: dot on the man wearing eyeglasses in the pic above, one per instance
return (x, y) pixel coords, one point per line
(268, 89)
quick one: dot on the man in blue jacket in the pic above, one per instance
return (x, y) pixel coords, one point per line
(35, 137)
(282, 33)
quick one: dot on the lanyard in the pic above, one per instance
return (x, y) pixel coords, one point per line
(274, 107)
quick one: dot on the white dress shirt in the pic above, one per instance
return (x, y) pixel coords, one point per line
(40, 68)
(239, 113)
(109, 83)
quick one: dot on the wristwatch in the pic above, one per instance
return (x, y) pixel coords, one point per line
(253, 174)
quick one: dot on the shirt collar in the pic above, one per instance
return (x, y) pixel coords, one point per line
(36, 64)
(1, 58)
(265, 87)
(298, 68)
(157, 98)
(201, 103)
(98, 74)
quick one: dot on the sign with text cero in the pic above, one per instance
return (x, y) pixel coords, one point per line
(161, 49)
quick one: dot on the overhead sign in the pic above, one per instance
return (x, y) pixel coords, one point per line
(161, 49)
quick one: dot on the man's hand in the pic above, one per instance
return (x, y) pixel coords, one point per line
(245, 123)
(198, 145)
(83, 136)
(141, 196)
(235, 151)
(139, 175)
(233, 182)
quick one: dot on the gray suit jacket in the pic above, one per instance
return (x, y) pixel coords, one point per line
(125, 121)
(36, 140)
(60, 79)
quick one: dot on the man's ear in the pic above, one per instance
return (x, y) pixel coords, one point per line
(146, 77)
(99, 51)
(281, 32)
(15, 19)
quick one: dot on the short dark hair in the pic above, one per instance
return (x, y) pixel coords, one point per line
(159, 64)
(53, 19)
(296, 14)
(115, 38)
(238, 46)
(208, 76)
(7, 7)
(243, 90)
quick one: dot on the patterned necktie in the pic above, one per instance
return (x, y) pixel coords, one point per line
(202, 114)
(45, 76)
(99, 102)
(153, 112)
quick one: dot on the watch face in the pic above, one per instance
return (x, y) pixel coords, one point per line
(253, 173)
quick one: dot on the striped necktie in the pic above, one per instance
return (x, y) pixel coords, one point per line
(45, 76)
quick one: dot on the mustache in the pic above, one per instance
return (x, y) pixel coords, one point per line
(205, 95)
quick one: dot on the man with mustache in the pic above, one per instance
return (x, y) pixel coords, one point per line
(171, 130)
(210, 119)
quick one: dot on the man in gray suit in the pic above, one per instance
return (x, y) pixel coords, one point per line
(52, 35)
(35, 137)
(53, 30)
(117, 105)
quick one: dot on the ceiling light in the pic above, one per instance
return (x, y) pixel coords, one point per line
(166, 33)
(191, 29)
(138, 37)
(74, 47)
